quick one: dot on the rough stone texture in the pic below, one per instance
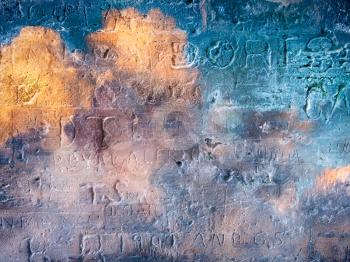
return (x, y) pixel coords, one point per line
(182, 130)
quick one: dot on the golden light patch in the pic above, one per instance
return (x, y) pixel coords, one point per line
(148, 46)
(6, 128)
(333, 176)
(35, 72)
(35, 68)
(43, 84)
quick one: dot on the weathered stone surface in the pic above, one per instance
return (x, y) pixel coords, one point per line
(204, 130)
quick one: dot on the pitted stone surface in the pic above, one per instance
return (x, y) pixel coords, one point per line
(186, 130)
